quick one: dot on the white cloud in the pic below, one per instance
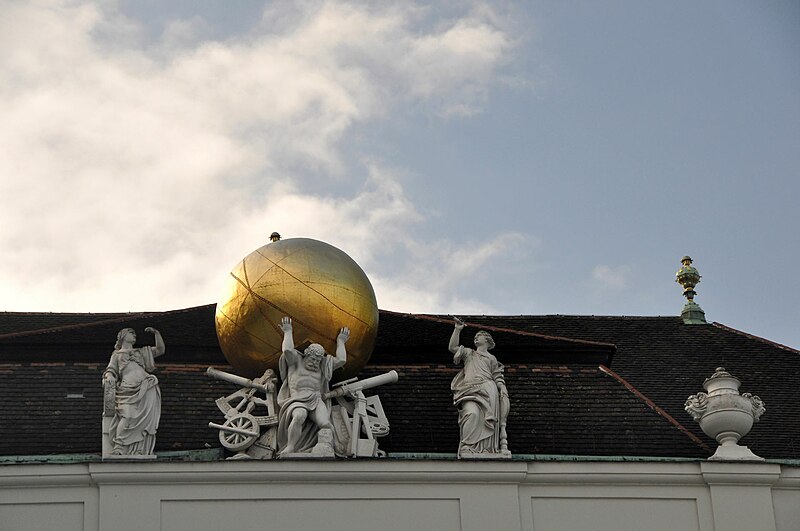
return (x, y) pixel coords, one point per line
(135, 174)
(446, 277)
(611, 277)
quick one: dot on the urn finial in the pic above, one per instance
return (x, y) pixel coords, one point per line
(688, 277)
(726, 415)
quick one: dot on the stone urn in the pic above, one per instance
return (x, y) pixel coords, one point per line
(726, 415)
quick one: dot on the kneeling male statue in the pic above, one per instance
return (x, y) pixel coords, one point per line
(304, 419)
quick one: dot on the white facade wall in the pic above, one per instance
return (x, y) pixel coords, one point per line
(415, 495)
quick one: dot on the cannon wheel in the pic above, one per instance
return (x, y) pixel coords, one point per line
(379, 429)
(236, 442)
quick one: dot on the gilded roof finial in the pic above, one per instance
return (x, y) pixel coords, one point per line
(688, 277)
(274, 237)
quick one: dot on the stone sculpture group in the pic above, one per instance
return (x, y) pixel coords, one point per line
(308, 418)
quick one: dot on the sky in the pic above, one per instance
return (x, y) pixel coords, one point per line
(473, 157)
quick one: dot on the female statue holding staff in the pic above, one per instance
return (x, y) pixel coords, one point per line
(479, 393)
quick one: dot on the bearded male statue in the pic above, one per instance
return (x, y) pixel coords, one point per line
(304, 419)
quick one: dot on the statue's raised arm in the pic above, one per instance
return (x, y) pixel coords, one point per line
(288, 339)
(341, 351)
(454, 337)
(160, 347)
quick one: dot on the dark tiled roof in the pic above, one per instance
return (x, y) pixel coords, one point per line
(44, 414)
(668, 361)
(90, 337)
(25, 322)
(572, 410)
(561, 402)
(191, 331)
(554, 410)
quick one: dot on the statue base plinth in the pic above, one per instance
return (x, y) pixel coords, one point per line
(485, 455)
(734, 452)
(129, 457)
(693, 314)
(322, 450)
(308, 455)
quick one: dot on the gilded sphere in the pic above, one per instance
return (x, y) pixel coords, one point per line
(317, 285)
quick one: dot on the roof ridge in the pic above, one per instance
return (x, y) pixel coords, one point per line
(122, 318)
(755, 338)
(428, 317)
(652, 405)
(570, 316)
(6, 312)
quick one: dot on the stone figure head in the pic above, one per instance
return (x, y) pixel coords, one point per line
(483, 337)
(125, 333)
(312, 356)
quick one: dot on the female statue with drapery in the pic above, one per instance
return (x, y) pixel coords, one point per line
(133, 399)
(479, 393)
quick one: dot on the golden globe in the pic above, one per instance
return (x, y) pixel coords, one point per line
(317, 285)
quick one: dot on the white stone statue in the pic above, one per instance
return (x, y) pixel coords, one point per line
(479, 393)
(358, 420)
(304, 419)
(132, 405)
(247, 430)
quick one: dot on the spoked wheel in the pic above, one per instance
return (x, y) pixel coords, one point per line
(239, 432)
(379, 429)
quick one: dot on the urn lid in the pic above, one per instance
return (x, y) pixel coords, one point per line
(722, 382)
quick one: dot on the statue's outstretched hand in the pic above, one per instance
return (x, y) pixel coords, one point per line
(286, 324)
(459, 323)
(150, 330)
(344, 335)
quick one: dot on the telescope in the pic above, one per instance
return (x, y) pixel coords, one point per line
(351, 388)
(239, 380)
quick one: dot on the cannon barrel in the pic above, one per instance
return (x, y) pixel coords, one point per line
(233, 429)
(238, 380)
(361, 385)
